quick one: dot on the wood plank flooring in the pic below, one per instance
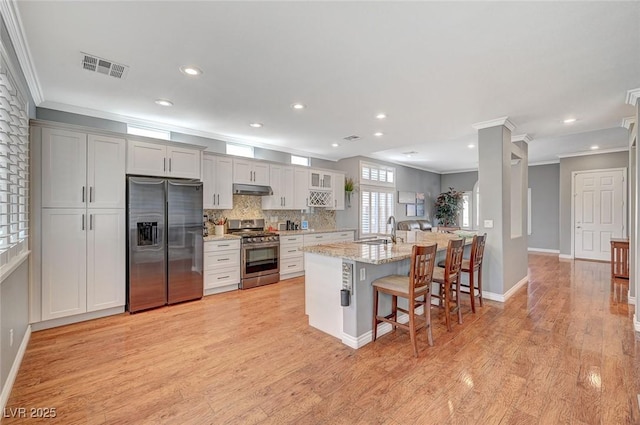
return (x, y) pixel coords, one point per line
(560, 351)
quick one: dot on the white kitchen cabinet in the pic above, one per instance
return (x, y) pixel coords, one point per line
(221, 266)
(281, 181)
(80, 170)
(344, 236)
(217, 182)
(300, 188)
(83, 261)
(250, 172)
(155, 159)
(291, 256)
(106, 254)
(317, 239)
(338, 191)
(319, 179)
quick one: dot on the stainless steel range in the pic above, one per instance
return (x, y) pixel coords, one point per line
(260, 253)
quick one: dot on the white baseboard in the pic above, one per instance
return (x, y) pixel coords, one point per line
(565, 256)
(630, 300)
(15, 367)
(504, 297)
(221, 289)
(54, 323)
(636, 324)
(549, 251)
(383, 328)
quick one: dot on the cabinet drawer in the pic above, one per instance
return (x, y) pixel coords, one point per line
(291, 265)
(317, 239)
(221, 277)
(343, 236)
(222, 245)
(215, 260)
(288, 251)
(291, 240)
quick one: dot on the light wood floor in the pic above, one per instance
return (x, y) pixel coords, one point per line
(561, 351)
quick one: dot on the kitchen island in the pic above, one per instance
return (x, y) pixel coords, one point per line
(354, 266)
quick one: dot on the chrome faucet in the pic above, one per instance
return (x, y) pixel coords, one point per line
(392, 221)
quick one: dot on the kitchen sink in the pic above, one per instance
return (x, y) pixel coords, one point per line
(373, 241)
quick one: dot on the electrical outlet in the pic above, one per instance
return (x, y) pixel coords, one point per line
(488, 224)
(10, 337)
(363, 274)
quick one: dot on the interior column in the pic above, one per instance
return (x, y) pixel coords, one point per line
(633, 98)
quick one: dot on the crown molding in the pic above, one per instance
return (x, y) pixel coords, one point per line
(521, 138)
(627, 122)
(12, 20)
(593, 152)
(464, 170)
(633, 96)
(495, 123)
(535, 164)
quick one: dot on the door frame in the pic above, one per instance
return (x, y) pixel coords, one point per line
(573, 201)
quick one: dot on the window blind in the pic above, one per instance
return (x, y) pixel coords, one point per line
(14, 168)
(376, 206)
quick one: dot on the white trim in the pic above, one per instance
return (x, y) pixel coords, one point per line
(549, 251)
(391, 161)
(62, 321)
(383, 328)
(504, 297)
(593, 152)
(627, 122)
(464, 170)
(13, 265)
(565, 256)
(636, 324)
(521, 138)
(11, 16)
(504, 121)
(632, 96)
(630, 300)
(15, 367)
(535, 164)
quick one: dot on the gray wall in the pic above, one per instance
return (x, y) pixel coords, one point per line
(581, 163)
(407, 180)
(544, 181)
(82, 120)
(14, 314)
(462, 182)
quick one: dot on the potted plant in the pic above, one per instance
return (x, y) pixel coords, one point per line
(349, 187)
(448, 206)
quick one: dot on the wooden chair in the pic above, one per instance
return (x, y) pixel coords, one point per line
(417, 285)
(449, 280)
(473, 265)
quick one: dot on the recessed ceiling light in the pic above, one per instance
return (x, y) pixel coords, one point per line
(298, 106)
(471, 145)
(335, 145)
(256, 124)
(378, 134)
(569, 120)
(191, 70)
(594, 147)
(164, 102)
(409, 154)
(381, 116)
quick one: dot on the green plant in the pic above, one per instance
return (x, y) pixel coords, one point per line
(349, 184)
(448, 206)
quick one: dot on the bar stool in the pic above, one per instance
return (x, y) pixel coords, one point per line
(449, 279)
(473, 265)
(416, 285)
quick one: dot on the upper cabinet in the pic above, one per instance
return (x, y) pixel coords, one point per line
(338, 191)
(250, 172)
(154, 159)
(300, 188)
(282, 182)
(80, 170)
(320, 179)
(217, 184)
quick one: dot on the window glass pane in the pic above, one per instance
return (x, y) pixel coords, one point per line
(149, 132)
(300, 160)
(240, 150)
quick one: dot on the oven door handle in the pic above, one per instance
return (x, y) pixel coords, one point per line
(261, 245)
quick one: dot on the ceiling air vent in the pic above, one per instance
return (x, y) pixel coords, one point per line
(103, 66)
(352, 138)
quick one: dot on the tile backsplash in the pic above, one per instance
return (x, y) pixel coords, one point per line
(246, 206)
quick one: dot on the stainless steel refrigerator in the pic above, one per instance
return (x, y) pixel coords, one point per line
(164, 255)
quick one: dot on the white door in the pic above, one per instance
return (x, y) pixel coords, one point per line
(146, 159)
(224, 183)
(208, 182)
(106, 244)
(599, 212)
(64, 168)
(183, 163)
(106, 163)
(64, 262)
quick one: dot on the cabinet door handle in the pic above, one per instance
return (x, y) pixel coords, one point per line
(164, 164)
(223, 277)
(218, 199)
(82, 221)
(90, 193)
(169, 164)
(90, 221)
(83, 190)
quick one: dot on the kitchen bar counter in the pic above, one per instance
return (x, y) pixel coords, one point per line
(312, 231)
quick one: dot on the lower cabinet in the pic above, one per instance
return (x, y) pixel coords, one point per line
(83, 261)
(291, 257)
(221, 266)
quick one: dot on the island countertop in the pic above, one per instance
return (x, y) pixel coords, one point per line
(312, 231)
(383, 253)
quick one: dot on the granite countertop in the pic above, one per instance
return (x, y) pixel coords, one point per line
(383, 253)
(220, 237)
(312, 231)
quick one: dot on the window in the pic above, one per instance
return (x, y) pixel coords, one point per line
(14, 168)
(300, 160)
(149, 132)
(466, 213)
(240, 150)
(377, 198)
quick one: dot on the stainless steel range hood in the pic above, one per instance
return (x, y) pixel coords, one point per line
(251, 189)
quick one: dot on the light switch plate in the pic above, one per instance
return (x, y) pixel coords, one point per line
(488, 224)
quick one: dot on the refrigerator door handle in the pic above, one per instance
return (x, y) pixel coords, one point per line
(155, 235)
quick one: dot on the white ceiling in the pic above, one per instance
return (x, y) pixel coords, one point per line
(434, 68)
